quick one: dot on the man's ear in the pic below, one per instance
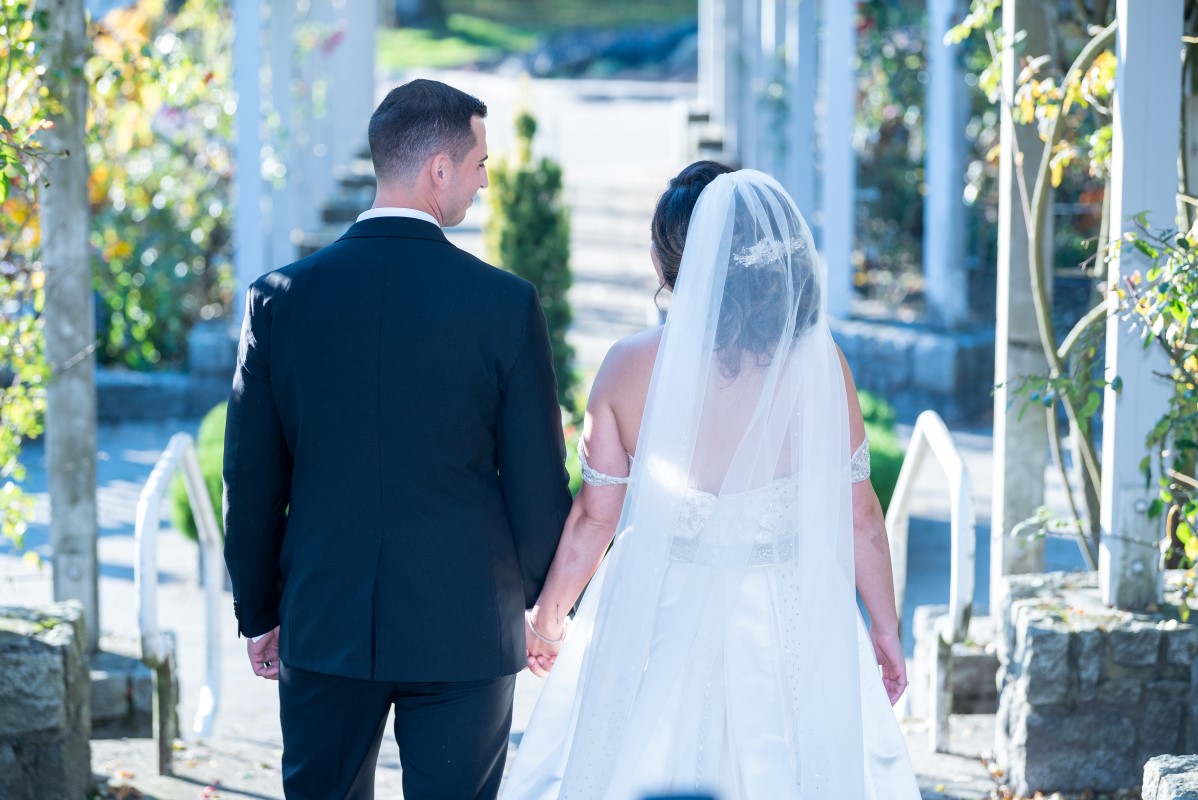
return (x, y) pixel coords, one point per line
(440, 168)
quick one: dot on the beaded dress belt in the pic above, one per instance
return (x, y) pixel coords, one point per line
(684, 548)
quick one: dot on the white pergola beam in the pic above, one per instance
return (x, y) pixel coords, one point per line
(946, 285)
(837, 220)
(1144, 178)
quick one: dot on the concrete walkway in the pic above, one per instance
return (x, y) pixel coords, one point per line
(582, 123)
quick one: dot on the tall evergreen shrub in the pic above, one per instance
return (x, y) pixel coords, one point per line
(529, 235)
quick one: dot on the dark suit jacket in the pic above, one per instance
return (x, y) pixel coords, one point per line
(394, 479)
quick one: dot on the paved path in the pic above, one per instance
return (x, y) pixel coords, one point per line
(582, 124)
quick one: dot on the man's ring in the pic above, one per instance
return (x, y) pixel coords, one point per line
(266, 664)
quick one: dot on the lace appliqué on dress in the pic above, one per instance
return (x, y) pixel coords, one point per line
(596, 478)
(859, 465)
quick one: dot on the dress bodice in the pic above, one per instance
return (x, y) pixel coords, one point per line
(760, 518)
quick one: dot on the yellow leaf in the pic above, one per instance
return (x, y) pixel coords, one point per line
(31, 560)
(1058, 172)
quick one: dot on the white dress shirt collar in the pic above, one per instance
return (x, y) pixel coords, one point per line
(411, 213)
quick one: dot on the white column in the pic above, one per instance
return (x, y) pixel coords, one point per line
(837, 221)
(797, 168)
(748, 86)
(728, 80)
(711, 53)
(1143, 178)
(946, 284)
(1020, 434)
(352, 99)
(249, 242)
(340, 84)
(282, 198)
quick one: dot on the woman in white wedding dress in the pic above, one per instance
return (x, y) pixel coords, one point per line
(718, 646)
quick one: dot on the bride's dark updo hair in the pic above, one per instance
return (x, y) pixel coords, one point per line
(673, 214)
(760, 298)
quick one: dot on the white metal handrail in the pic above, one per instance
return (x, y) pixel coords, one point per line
(931, 434)
(180, 453)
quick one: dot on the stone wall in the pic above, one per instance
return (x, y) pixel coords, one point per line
(1089, 694)
(1171, 778)
(123, 394)
(44, 695)
(916, 368)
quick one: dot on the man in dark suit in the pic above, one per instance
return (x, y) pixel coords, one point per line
(394, 479)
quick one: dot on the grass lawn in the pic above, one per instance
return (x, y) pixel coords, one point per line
(485, 29)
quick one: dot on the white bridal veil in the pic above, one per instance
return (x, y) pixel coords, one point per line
(741, 473)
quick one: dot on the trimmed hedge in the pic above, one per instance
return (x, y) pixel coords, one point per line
(210, 450)
(886, 456)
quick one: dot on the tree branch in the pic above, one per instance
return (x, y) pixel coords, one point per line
(1039, 209)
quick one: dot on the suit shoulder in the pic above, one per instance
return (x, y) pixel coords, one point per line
(504, 290)
(496, 277)
(278, 281)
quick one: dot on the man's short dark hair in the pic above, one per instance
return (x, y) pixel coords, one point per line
(415, 122)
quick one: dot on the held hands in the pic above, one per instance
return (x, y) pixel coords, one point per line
(264, 655)
(889, 651)
(543, 641)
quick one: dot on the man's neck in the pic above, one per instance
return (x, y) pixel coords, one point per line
(389, 197)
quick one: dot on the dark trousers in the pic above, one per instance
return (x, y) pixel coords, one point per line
(452, 736)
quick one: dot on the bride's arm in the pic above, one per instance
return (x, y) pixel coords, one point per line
(871, 549)
(591, 524)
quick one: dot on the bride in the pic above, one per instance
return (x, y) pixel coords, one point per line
(718, 647)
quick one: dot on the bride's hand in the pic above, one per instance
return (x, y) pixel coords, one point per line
(542, 654)
(888, 649)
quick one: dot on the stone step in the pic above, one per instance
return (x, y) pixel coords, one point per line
(122, 699)
(974, 668)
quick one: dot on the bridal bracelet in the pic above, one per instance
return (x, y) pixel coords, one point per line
(537, 633)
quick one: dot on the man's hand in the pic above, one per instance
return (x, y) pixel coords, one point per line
(264, 655)
(889, 651)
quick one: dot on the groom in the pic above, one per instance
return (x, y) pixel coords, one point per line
(394, 480)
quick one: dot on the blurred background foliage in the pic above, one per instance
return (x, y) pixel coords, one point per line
(159, 144)
(25, 105)
(454, 33)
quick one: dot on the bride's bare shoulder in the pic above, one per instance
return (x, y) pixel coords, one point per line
(628, 365)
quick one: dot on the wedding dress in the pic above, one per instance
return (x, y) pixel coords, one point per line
(719, 647)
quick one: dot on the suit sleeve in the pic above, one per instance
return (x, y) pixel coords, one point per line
(532, 453)
(257, 476)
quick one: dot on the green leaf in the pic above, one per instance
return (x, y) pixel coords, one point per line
(1147, 249)
(1117, 384)
(5, 124)
(1155, 508)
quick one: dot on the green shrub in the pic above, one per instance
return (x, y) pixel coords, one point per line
(210, 450)
(886, 456)
(528, 233)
